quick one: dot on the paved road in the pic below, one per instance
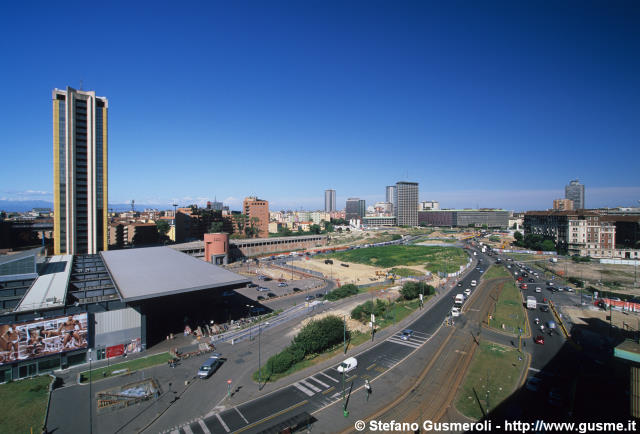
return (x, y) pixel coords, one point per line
(325, 387)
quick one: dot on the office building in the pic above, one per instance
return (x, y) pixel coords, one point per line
(329, 200)
(575, 192)
(406, 203)
(390, 194)
(562, 204)
(491, 218)
(80, 187)
(355, 209)
(429, 205)
(257, 212)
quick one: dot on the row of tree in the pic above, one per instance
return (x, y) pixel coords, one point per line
(534, 242)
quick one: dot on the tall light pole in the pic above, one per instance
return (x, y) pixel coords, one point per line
(90, 393)
(259, 362)
(250, 318)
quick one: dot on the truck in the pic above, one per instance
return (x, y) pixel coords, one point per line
(531, 302)
(484, 249)
(553, 260)
(458, 300)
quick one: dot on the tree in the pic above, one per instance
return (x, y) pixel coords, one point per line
(328, 226)
(548, 246)
(240, 220)
(163, 227)
(215, 227)
(518, 236)
(315, 229)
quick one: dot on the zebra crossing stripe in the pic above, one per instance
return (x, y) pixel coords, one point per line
(303, 389)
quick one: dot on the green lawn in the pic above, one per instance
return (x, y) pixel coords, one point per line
(509, 309)
(24, 404)
(493, 375)
(434, 258)
(132, 365)
(496, 271)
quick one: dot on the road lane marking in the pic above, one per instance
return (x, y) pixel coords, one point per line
(204, 427)
(310, 386)
(371, 366)
(330, 378)
(241, 415)
(187, 429)
(534, 369)
(281, 412)
(224, 425)
(405, 343)
(303, 389)
(319, 382)
(328, 390)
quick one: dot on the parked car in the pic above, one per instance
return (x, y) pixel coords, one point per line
(260, 298)
(297, 289)
(210, 365)
(320, 295)
(281, 284)
(271, 295)
(251, 285)
(455, 311)
(309, 297)
(348, 365)
(263, 289)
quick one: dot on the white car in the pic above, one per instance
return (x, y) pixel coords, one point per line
(348, 365)
(538, 289)
(467, 292)
(473, 283)
(455, 311)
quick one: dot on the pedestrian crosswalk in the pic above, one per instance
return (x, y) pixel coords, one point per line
(416, 340)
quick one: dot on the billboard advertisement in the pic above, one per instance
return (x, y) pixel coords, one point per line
(43, 337)
(115, 351)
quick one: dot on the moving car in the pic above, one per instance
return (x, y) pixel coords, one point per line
(533, 384)
(473, 283)
(309, 297)
(538, 289)
(455, 311)
(544, 308)
(406, 334)
(210, 365)
(539, 340)
(467, 292)
(348, 365)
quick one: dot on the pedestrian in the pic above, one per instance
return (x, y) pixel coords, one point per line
(367, 387)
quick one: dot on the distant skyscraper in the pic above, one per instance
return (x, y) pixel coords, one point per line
(390, 193)
(406, 203)
(80, 193)
(575, 192)
(329, 200)
(355, 208)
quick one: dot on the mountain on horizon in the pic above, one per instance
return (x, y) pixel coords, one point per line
(28, 205)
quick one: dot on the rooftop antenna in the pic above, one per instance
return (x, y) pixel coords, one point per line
(133, 202)
(80, 84)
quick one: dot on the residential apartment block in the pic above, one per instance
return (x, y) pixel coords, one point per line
(259, 209)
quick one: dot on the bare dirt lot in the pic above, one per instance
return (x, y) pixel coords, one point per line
(611, 277)
(584, 316)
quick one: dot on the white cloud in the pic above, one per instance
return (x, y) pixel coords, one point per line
(24, 195)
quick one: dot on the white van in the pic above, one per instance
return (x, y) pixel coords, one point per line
(348, 365)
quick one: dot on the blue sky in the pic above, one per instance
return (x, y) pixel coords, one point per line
(483, 103)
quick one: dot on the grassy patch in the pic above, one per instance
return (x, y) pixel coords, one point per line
(509, 310)
(434, 258)
(132, 365)
(24, 404)
(496, 271)
(492, 376)
(398, 311)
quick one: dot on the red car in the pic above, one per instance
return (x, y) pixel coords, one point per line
(539, 340)
(523, 286)
(520, 279)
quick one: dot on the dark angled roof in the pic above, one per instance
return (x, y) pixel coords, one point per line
(160, 271)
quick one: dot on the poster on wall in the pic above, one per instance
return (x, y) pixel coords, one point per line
(32, 339)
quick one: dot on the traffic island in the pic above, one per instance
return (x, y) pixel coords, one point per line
(494, 374)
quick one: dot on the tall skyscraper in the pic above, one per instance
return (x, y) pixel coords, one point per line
(406, 203)
(355, 208)
(390, 193)
(80, 187)
(575, 192)
(329, 200)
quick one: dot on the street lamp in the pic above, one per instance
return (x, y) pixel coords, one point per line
(90, 393)
(250, 319)
(259, 362)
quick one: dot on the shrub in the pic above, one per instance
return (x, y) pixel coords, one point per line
(363, 311)
(411, 290)
(320, 335)
(342, 292)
